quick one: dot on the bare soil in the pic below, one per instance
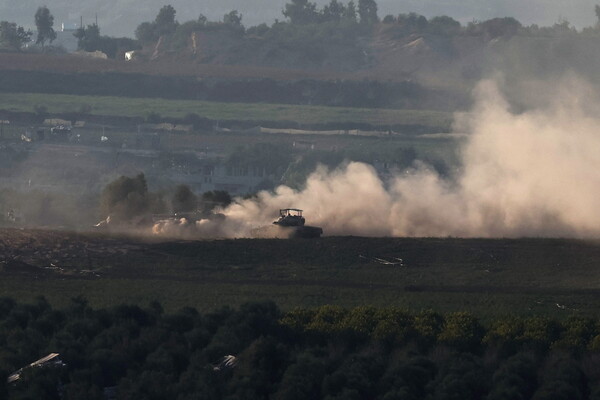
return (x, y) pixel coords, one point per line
(488, 277)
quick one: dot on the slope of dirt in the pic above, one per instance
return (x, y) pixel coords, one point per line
(67, 63)
(383, 55)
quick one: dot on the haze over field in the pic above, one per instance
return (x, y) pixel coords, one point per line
(365, 199)
(530, 174)
(121, 17)
(529, 167)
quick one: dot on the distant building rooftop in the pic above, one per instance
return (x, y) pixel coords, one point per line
(69, 27)
(50, 359)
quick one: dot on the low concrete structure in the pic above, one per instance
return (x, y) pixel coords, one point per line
(51, 360)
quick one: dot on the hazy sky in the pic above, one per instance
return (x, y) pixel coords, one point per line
(120, 17)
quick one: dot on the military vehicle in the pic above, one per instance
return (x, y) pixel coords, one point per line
(289, 225)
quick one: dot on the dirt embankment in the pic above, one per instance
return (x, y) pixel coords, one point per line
(382, 56)
(542, 266)
(66, 63)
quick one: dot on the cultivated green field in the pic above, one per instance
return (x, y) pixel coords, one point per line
(551, 277)
(141, 107)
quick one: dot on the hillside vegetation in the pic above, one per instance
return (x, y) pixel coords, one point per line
(337, 54)
(344, 38)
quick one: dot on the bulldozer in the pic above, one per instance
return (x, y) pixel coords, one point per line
(291, 224)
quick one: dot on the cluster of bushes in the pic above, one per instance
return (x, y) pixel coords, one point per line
(410, 23)
(184, 200)
(13, 37)
(334, 37)
(459, 330)
(336, 23)
(298, 12)
(127, 199)
(310, 31)
(307, 29)
(89, 39)
(328, 352)
(407, 24)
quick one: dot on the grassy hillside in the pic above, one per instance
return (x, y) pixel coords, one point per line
(488, 277)
(136, 107)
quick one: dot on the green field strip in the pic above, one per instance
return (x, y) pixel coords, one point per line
(141, 107)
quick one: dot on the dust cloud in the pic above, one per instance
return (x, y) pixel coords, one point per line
(534, 173)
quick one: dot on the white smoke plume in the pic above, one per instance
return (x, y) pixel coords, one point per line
(531, 174)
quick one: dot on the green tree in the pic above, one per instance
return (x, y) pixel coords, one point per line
(462, 378)
(516, 378)
(540, 332)
(202, 20)
(328, 320)
(577, 333)
(163, 24)
(301, 12)
(88, 38)
(508, 26)
(184, 200)
(233, 18)
(444, 25)
(125, 198)
(261, 367)
(389, 19)
(505, 334)
(13, 36)
(215, 198)
(302, 379)
(355, 379)
(409, 379)
(412, 22)
(361, 320)
(298, 319)
(165, 21)
(334, 11)
(367, 11)
(38, 383)
(461, 330)
(3, 384)
(146, 32)
(44, 21)
(563, 379)
(350, 11)
(428, 325)
(393, 326)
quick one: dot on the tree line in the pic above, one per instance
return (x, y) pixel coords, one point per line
(322, 353)
(364, 13)
(127, 199)
(15, 37)
(333, 36)
(302, 20)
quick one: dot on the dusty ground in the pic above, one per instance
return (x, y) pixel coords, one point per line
(488, 277)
